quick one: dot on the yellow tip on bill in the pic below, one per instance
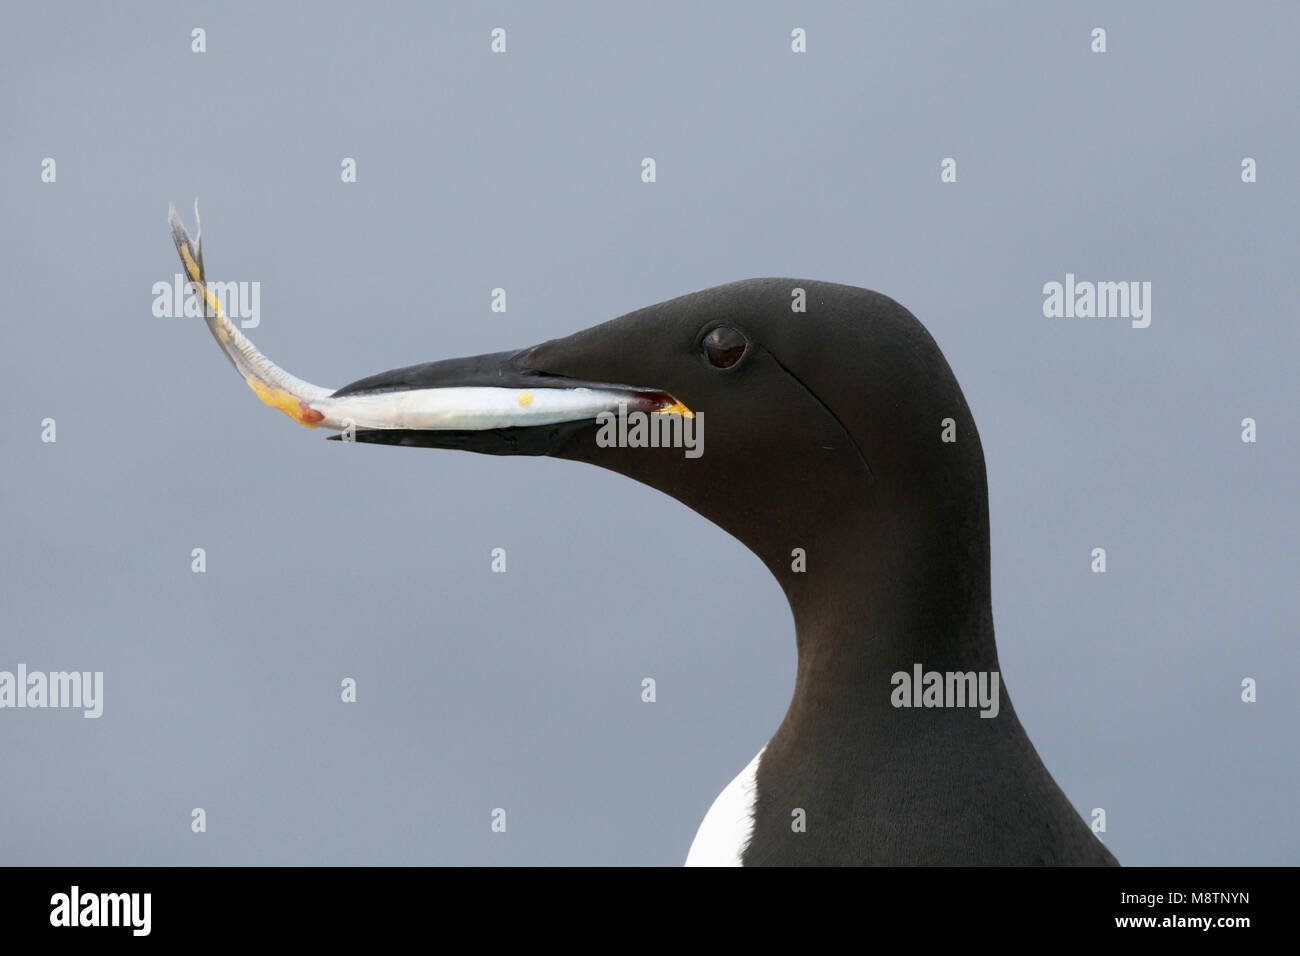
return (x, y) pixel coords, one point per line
(677, 408)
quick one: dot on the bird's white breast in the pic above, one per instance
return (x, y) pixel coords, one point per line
(727, 827)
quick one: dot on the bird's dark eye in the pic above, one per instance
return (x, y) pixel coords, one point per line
(724, 346)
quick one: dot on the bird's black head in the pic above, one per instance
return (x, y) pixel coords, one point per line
(818, 423)
(827, 420)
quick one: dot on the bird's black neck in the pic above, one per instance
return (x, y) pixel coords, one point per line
(885, 589)
(870, 779)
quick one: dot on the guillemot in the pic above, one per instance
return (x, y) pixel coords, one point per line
(841, 451)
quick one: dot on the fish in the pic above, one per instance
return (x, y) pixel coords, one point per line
(468, 408)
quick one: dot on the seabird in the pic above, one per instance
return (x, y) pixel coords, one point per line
(841, 451)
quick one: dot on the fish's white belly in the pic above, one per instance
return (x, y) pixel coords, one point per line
(729, 824)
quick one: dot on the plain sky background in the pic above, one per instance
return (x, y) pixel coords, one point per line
(522, 691)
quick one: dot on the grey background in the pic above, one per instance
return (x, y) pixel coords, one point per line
(480, 690)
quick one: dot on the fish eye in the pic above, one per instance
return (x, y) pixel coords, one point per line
(724, 346)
